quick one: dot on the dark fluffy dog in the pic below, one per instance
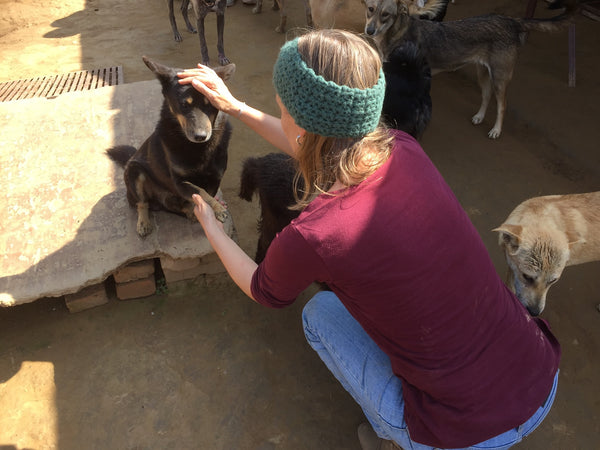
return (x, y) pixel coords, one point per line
(407, 107)
(188, 145)
(272, 177)
(407, 103)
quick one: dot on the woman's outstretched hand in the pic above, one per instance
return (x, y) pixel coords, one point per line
(206, 81)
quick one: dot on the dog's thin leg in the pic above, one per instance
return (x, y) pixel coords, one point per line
(500, 91)
(500, 81)
(176, 34)
(184, 13)
(483, 77)
(308, 12)
(202, 37)
(220, 31)
(282, 15)
(258, 8)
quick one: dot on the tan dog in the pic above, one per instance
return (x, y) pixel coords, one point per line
(542, 236)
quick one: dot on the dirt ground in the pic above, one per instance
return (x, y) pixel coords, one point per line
(201, 367)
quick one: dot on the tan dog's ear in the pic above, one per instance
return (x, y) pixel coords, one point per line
(574, 238)
(510, 236)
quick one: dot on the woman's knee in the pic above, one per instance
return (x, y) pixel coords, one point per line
(317, 313)
(319, 306)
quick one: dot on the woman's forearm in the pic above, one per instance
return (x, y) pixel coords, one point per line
(267, 126)
(238, 264)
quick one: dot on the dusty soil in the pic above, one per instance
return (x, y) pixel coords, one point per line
(200, 366)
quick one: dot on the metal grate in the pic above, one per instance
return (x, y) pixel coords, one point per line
(51, 86)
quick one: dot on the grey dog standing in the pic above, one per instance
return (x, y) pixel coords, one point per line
(490, 41)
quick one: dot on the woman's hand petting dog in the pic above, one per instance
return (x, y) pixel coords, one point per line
(206, 81)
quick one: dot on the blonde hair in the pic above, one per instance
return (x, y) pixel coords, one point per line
(344, 58)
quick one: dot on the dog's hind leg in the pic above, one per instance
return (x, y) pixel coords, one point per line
(176, 34)
(258, 8)
(280, 5)
(308, 13)
(223, 60)
(184, 12)
(483, 78)
(201, 14)
(500, 78)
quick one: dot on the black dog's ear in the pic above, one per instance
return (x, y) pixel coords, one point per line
(161, 71)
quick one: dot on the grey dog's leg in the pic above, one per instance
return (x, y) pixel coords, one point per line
(483, 77)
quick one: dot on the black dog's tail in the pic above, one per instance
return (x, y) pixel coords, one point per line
(407, 104)
(121, 154)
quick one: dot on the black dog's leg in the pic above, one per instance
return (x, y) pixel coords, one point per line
(220, 31)
(184, 13)
(135, 180)
(203, 11)
(176, 34)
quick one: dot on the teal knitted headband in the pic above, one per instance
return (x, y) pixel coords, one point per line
(324, 107)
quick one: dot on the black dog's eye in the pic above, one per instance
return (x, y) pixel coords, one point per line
(385, 16)
(527, 278)
(371, 9)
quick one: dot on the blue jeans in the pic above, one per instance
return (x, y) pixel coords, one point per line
(366, 373)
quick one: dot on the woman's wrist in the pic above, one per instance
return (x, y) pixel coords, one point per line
(238, 110)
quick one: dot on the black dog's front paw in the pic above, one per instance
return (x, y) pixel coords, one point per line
(222, 215)
(144, 228)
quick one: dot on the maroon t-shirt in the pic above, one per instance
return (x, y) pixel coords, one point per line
(403, 257)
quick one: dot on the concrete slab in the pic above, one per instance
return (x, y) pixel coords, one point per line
(66, 222)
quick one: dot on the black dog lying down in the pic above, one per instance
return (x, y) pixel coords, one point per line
(186, 153)
(407, 107)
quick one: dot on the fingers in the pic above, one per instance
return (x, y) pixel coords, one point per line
(203, 73)
(200, 207)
